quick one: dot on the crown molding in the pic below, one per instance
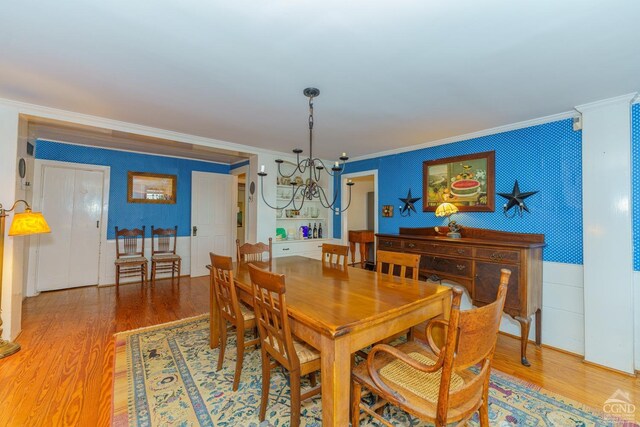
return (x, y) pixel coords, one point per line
(472, 135)
(628, 98)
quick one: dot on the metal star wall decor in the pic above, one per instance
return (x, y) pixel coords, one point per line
(516, 199)
(408, 206)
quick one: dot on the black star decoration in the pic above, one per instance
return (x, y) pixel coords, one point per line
(408, 204)
(516, 198)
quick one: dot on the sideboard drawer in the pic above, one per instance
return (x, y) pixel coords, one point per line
(442, 249)
(453, 266)
(498, 255)
(389, 244)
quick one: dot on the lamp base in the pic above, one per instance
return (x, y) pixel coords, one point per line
(7, 348)
(454, 235)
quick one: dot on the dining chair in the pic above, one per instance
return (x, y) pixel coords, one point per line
(397, 261)
(254, 251)
(232, 311)
(401, 260)
(130, 259)
(297, 357)
(163, 252)
(335, 254)
(431, 382)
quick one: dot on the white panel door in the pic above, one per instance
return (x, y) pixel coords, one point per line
(71, 200)
(213, 222)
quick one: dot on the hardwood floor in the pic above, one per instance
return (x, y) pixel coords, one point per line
(62, 375)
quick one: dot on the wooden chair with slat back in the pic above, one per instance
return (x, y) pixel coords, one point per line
(335, 254)
(163, 252)
(298, 358)
(433, 383)
(232, 311)
(254, 251)
(400, 262)
(130, 259)
(398, 259)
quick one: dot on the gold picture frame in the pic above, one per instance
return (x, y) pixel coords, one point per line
(466, 181)
(144, 187)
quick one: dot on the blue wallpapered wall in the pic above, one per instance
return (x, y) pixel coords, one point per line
(546, 158)
(635, 185)
(128, 215)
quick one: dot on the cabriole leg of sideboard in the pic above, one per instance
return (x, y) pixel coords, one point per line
(525, 325)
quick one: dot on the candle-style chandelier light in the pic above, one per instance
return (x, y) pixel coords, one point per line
(310, 188)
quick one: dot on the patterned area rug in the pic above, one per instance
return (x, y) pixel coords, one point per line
(165, 375)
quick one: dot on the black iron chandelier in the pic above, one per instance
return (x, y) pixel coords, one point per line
(310, 188)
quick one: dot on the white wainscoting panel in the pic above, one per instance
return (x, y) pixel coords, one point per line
(562, 308)
(636, 305)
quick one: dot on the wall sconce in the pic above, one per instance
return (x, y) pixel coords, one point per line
(387, 211)
(23, 224)
(446, 210)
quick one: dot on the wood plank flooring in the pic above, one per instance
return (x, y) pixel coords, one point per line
(62, 376)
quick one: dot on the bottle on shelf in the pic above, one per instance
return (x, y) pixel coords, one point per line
(315, 231)
(310, 233)
(320, 231)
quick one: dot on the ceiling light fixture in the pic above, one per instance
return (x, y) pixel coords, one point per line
(311, 188)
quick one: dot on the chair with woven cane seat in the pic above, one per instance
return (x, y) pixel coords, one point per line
(130, 259)
(249, 252)
(335, 254)
(163, 252)
(231, 310)
(433, 383)
(276, 341)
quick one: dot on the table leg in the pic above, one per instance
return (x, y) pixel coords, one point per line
(336, 381)
(363, 254)
(214, 330)
(352, 248)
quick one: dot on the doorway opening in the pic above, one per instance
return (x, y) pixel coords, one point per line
(242, 211)
(361, 216)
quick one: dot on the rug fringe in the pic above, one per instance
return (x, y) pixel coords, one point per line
(124, 334)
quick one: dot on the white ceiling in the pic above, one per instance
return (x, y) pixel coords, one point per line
(391, 73)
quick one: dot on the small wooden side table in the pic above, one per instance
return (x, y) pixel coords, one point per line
(364, 238)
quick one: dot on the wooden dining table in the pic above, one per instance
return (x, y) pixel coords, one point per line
(341, 310)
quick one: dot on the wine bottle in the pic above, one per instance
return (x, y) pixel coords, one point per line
(315, 231)
(310, 232)
(320, 231)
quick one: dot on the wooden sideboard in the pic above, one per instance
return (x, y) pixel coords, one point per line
(474, 261)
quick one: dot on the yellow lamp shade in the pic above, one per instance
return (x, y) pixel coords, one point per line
(28, 222)
(446, 209)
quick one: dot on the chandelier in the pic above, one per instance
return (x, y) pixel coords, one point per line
(310, 188)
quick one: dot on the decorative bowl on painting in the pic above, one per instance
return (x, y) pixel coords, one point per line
(465, 187)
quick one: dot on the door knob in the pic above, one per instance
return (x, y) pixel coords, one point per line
(195, 230)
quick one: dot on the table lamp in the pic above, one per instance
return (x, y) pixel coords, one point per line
(446, 210)
(23, 224)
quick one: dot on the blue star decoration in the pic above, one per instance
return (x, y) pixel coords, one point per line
(408, 206)
(516, 199)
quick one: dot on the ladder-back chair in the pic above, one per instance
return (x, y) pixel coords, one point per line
(298, 358)
(400, 260)
(335, 254)
(232, 311)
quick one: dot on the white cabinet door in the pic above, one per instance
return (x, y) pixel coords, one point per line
(71, 201)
